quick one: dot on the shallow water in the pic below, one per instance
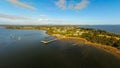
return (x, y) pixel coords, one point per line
(29, 52)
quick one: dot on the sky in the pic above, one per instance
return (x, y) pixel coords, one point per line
(50, 12)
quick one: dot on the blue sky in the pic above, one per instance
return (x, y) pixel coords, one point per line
(37, 12)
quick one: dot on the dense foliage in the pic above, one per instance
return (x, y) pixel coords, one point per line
(106, 38)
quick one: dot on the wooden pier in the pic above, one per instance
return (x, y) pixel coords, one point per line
(46, 42)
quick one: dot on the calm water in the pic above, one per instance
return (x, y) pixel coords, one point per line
(23, 49)
(110, 28)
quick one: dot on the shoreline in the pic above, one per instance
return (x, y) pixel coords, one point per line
(77, 40)
(106, 48)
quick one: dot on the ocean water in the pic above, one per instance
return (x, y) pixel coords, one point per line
(109, 28)
(23, 49)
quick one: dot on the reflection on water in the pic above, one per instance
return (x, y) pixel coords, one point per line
(29, 52)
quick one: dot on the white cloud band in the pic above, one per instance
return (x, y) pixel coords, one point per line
(18, 3)
(13, 17)
(81, 5)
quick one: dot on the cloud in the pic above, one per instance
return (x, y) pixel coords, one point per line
(81, 5)
(61, 4)
(76, 6)
(5, 16)
(18, 3)
(6, 19)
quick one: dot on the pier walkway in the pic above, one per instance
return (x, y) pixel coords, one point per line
(46, 42)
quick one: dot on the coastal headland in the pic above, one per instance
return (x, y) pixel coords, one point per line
(107, 41)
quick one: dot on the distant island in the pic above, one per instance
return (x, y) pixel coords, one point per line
(99, 38)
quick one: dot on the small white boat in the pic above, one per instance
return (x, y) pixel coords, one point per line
(47, 37)
(19, 38)
(12, 36)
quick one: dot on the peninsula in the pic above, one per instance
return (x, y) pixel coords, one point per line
(98, 38)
